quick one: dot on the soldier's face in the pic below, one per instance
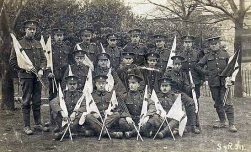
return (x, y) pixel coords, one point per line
(59, 37)
(177, 66)
(135, 38)
(133, 85)
(30, 31)
(112, 42)
(215, 46)
(86, 37)
(165, 88)
(152, 62)
(103, 63)
(72, 86)
(127, 61)
(187, 44)
(160, 43)
(101, 85)
(79, 59)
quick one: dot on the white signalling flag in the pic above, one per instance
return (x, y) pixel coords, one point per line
(159, 109)
(110, 81)
(178, 114)
(144, 108)
(113, 102)
(23, 60)
(170, 61)
(62, 102)
(49, 53)
(88, 82)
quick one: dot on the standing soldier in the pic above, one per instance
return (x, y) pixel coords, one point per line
(31, 87)
(86, 44)
(102, 99)
(133, 101)
(113, 50)
(127, 67)
(151, 72)
(192, 57)
(216, 61)
(135, 46)
(71, 97)
(162, 50)
(79, 69)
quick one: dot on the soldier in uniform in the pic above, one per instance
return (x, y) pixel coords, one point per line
(102, 68)
(71, 97)
(113, 50)
(178, 75)
(162, 50)
(102, 99)
(135, 46)
(79, 69)
(86, 44)
(31, 87)
(133, 101)
(192, 57)
(127, 67)
(151, 72)
(216, 61)
(166, 98)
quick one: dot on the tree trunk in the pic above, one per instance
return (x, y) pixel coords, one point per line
(238, 90)
(7, 80)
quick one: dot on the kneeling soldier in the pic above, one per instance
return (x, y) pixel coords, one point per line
(102, 99)
(71, 97)
(133, 100)
(166, 98)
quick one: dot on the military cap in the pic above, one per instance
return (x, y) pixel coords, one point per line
(152, 55)
(128, 54)
(78, 52)
(187, 38)
(135, 31)
(165, 80)
(103, 56)
(100, 78)
(112, 36)
(177, 59)
(133, 77)
(213, 40)
(31, 23)
(58, 30)
(71, 78)
(159, 37)
(86, 30)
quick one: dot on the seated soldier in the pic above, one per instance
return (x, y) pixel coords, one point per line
(79, 69)
(102, 99)
(127, 67)
(71, 97)
(166, 98)
(133, 101)
(151, 72)
(102, 68)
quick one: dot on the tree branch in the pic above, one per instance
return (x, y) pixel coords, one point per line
(245, 11)
(233, 6)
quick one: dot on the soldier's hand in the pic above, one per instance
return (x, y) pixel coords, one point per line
(145, 119)
(51, 75)
(193, 86)
(65, 117)
(73, 116)
(108, 112)
(96, 115)
(163, 114)
(228, 82)
(129, 120)
(40, 73)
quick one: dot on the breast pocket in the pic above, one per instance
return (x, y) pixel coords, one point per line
(211, 63)
(222, 62)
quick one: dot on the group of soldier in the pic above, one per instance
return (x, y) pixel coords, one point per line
(133, 67)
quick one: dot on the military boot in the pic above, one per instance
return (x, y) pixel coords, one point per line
(117, 135)
(130, 134)
(222, 117)
(230, 117)
(28, 131)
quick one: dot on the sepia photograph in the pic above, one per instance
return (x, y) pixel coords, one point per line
(125, 75)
